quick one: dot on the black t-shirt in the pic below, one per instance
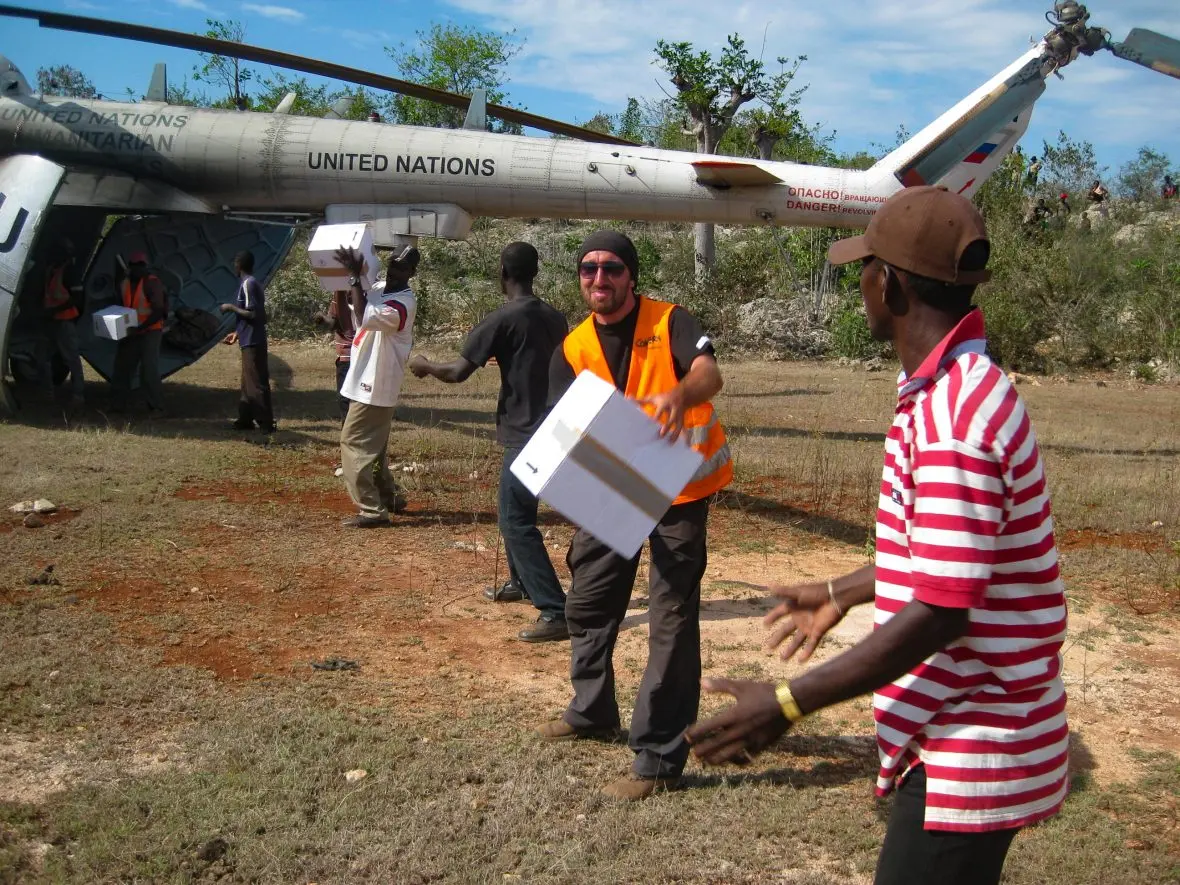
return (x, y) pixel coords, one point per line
(523, 336)
(688, 342)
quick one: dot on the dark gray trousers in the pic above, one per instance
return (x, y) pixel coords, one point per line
(254, 404)
(138, 350)
(669, 694)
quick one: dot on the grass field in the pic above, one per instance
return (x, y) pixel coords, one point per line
(162, 721)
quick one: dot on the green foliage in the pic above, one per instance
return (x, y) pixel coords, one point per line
(182, 93)
(850, 331)
(1068, 167)
(1143, 177)
(310, 101)
(630, 124)
(710, 91)
(66, 81)
(457, 59)
(221, 71)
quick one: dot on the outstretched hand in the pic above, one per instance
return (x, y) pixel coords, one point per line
(350, 260)
(803, 618)
(742, 731)
(419, 366)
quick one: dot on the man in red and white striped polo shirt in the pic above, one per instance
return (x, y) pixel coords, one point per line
(965, 660)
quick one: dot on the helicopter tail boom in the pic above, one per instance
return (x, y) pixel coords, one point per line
(977, 132)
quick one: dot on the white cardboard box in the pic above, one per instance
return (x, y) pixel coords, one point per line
(321, 253)
(599, 461)
(113, 322)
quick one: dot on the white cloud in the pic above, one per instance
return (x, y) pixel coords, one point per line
(870, 66)
(199, 5)
(82, 6)
(280, 13)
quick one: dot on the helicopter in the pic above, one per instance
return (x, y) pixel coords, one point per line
(192, 186)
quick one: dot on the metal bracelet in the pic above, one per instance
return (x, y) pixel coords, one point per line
(832, 598)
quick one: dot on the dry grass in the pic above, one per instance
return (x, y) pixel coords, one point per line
(161, 723)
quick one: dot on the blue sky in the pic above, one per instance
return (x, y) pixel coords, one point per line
(871, 66)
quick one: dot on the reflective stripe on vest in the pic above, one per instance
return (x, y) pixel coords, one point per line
(138, 300)
(57, 297)
(653, 371)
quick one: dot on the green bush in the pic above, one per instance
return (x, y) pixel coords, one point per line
(850, 332)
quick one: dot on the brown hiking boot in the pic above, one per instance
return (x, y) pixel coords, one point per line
(632, 788)
(560, 730)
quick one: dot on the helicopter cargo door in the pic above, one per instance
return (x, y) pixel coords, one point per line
(193, 255)
(27, 188)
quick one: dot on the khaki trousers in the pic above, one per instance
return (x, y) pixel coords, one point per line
(364, 458)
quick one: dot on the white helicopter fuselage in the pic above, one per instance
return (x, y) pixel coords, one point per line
(231, 161)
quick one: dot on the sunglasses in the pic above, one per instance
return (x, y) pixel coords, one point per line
(590, 269)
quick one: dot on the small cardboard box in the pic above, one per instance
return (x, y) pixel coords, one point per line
(599, 461)
(113, 322)
(321, 253)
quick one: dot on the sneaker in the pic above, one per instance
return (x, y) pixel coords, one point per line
(545, 630)
(509, 591)
(560, 730)
(361, 521)
(633, 788)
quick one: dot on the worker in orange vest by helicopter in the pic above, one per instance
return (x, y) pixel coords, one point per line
(143, 292)
(62, 312)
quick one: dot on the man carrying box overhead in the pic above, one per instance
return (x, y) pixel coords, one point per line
(144, 293)
(965, 660)
(658, 354)
(384, 322)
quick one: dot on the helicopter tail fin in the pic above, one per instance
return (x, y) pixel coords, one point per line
(965, 145)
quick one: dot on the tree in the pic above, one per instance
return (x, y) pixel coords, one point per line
(66, 81)
(710, 92)
(1143, 177)
(1068, 166)
(601, 122)
(457, 59)
(630, 125)
(222, 72)
(310, 101)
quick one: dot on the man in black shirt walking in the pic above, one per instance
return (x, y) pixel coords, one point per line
(522, 336)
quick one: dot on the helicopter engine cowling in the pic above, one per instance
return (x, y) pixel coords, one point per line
(12, 81)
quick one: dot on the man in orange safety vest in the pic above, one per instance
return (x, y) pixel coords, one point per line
(658, 354)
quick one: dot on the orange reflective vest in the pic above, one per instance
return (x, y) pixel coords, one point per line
(652, 371)
(138, 299)
(57, 296)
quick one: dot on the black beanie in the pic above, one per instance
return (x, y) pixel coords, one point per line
(612, 241)
(519, 261)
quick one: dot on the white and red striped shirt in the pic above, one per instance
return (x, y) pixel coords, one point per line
(964, 522)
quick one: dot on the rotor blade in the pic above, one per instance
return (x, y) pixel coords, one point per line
(142, 33)
(1151, 50)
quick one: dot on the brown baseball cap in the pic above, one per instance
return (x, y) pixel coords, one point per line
(923, 230)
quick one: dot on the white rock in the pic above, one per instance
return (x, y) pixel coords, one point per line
(357, 774)
(41, 505)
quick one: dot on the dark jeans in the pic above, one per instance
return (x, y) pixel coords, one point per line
(913, 855)
(65, 339)
(341, 401)
(524, 545)
(254, 403)
(138, 350)
(671, 688)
